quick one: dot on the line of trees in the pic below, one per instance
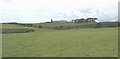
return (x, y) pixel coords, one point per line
(82, 20)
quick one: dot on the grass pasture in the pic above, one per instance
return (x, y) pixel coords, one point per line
(11, 28)
(90, 42)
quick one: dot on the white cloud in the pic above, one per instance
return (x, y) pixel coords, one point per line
(44, 10)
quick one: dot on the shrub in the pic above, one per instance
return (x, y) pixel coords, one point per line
(40, 26)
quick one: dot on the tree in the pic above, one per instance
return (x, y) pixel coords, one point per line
(93, 20)
(82, 20)
(89, 19)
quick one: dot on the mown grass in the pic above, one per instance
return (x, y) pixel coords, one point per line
(90, 42)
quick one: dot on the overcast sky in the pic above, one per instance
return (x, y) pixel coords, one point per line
(43, 10)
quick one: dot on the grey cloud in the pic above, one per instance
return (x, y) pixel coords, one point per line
(85, 10)
(70, 15)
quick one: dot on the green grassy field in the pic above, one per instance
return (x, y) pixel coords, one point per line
(90, 42)
(11, 26)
